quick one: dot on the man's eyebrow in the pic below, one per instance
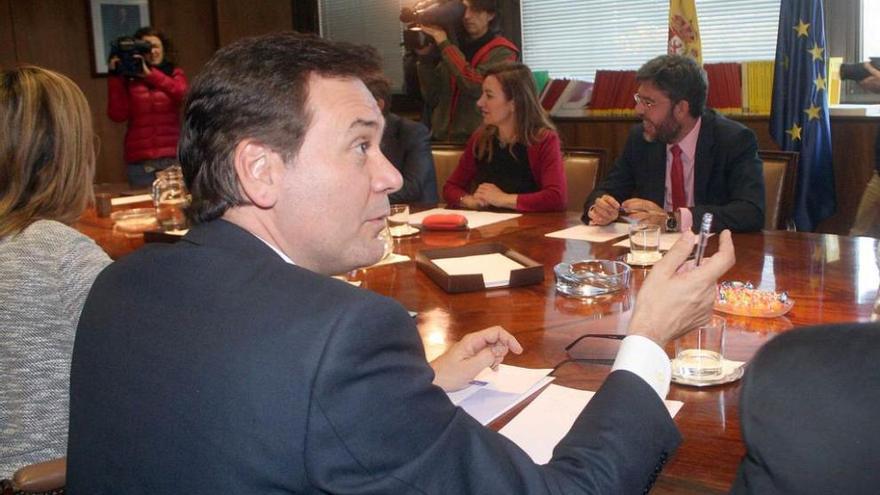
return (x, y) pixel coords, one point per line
(364, 123)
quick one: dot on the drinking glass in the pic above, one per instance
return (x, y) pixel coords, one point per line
(699, 353)
(398, 220)
(644, 243)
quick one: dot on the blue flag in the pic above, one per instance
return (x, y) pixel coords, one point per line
(799, 112)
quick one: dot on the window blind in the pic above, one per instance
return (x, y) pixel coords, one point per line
(575, 38)
(374, 22)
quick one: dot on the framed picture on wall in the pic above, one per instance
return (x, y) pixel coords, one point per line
(111, 19)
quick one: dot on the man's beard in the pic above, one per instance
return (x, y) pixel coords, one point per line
(666, 132)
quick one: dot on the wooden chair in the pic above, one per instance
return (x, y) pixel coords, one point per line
(780, 177)
(47, 477)
(446, 156)
(583, 168)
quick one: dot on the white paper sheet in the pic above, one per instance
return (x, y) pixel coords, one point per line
(592, 233)
(127, 200)
(475, 219)
(495, 267)
(543, 423)
(392, 258)
(667, 239)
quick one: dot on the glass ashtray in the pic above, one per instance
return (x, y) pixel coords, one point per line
(591, 278)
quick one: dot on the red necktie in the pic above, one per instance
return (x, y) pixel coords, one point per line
(676, 179)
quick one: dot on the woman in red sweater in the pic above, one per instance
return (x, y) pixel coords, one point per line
(514, 159)
(150, 102)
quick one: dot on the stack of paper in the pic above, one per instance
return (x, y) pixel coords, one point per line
(494, 267)
(492, 393)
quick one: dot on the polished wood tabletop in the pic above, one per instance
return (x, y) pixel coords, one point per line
(831, 279)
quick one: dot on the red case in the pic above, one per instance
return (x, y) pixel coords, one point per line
(444, 222)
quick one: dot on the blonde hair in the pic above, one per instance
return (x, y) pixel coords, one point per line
(531, 120)
(47, 149)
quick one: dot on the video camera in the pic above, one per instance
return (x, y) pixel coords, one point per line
(857, 72)
(126, 48)
(444, 13)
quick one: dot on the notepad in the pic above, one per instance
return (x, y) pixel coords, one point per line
(494, 267)
(493, 393)
(544, 422)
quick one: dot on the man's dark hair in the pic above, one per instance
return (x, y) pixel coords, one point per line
(254, 88)
(681, 78)
(490, 6)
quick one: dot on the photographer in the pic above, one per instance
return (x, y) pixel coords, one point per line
(452, 84)
(149, 100)
(867, 220)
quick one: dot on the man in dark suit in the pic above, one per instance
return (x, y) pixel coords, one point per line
(809, 406)
(683, 160)
(407, 145)
(230, 362)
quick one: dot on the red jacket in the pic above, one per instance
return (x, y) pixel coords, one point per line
(545, 161)
(151, 106)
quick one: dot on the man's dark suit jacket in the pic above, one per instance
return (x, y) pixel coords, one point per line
(212, 366)
(810, 409)
(728, 175)
(407, 145)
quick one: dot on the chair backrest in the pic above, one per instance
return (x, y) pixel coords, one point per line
(583, 168)
(780, 176)
(446, 156)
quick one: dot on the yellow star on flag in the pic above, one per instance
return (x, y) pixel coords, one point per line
(794, 132)
(819, 82)
(812, 113)
(802, 28)
(816, 51)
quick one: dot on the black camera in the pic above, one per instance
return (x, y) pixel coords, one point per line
(444, 13)
(857, 72)
(126, 48)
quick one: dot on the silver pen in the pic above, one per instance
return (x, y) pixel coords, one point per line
(705, 229)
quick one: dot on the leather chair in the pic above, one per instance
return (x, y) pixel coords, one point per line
(446, 156)
(780, 177)
(583, 168)
(47, 477)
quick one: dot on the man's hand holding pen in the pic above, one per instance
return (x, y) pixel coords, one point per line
(606, 209)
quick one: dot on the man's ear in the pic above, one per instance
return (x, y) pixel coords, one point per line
(259, 170)
(682, 109)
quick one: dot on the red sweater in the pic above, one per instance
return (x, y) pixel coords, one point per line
(545, 161)
(151, 105)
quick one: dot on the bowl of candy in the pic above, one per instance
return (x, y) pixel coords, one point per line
(591, 278)
(743, 299)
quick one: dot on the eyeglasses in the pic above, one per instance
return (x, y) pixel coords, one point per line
(591, 360)
(647, 102)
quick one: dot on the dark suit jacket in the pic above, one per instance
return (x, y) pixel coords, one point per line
(728, 175)
(212, 366)
(809, 408)
(407, 145)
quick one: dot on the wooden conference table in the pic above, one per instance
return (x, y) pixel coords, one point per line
(831, 278)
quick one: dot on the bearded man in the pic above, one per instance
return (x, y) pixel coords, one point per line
(683, 159)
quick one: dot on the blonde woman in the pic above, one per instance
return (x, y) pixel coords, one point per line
(47, 164)
(514, 160)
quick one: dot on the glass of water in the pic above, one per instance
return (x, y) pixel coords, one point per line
(699, 354)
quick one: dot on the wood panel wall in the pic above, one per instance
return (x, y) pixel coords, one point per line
(852, 146)
(55, 34)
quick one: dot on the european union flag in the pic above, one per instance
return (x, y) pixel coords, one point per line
(799, 113)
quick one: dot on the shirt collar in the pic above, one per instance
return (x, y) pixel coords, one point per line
(278, 251)
(688, 145)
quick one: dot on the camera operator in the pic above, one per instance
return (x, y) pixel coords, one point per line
(868, 216)
(149, 101)
(452, 85)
